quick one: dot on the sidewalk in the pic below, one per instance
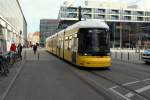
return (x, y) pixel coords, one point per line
(27, 55)
(5, 82)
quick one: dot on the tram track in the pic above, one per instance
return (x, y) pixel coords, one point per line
(120, 85)
(102, 91)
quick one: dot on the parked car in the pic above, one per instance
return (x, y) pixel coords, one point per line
(146, 56)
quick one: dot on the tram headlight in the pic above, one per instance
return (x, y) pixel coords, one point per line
(85, 54)
(108, 54)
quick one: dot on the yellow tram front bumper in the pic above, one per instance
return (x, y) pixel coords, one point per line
(94, 61)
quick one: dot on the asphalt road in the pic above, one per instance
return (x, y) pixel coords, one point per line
(50, 78)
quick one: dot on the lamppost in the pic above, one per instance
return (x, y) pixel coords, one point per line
(120, 35)
(114, 29)
(79, 13)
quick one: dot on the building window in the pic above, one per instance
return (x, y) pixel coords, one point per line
(114, 17)
(147, 18)
(87, 16)
(114, 11)
(101, 16)
(147, 13)
(100, 11)
(139, 18)
(127, 17)
(71, 15)
(71, 9)
(140, 13)
(127, 12)
(87, 10)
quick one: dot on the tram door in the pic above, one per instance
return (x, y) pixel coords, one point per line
(74, 49)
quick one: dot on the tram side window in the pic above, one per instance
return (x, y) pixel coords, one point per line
(66, 44)
(69, 44)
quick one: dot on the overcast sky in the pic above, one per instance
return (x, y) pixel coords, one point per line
(34, 10)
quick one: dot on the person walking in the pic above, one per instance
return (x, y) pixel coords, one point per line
(34, 48)
(19, 48)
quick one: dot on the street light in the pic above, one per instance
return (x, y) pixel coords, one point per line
(79, 14)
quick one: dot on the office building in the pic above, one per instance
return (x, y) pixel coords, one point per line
(127, 26)
(105, 4)
(13, 26)
(69, 2)
(47, 28)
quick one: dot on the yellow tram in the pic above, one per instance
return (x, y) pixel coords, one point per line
(85, 44)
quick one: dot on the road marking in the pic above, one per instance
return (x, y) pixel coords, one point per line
(145, 88)
(146, 80)
(129, 83)
(116, 92)
(129, 95)
(113, 87)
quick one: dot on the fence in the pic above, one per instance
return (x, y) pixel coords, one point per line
(127, 55)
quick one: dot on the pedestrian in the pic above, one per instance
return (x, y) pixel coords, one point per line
(13, 47)
(34, 48)
(19, 48)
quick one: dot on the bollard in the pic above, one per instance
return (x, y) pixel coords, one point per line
(38, 56)
(25, 55)
(128, 56)
(115, 55)
(121, 55)
(140, 55)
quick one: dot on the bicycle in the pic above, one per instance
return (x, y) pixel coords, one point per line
(4, 70)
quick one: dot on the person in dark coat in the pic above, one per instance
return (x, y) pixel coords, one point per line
(34, 48)
(19, 48)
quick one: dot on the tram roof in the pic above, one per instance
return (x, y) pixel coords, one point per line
(91, 23)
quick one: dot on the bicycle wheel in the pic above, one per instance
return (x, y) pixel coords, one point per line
(3, 70)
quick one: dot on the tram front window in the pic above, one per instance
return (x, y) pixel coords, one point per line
(93, 41)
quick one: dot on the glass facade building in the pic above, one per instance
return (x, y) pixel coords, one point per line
(128, 27)
(13, 26)
(47, 28)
